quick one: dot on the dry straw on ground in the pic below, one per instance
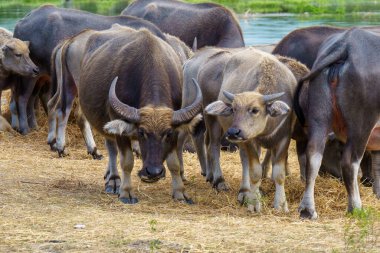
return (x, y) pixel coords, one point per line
(42, 198)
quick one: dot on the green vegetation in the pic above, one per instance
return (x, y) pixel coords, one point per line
(298, 6)
(111, 7)
(360, 234)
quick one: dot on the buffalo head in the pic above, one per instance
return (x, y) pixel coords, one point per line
(16, 58)
(155, 127)
(250, 112)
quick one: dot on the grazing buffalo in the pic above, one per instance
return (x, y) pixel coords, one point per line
(254, 108)
(14, 59)
(343, 97)
(45, 27)
(66, 70)
(137, 97)
(303, 45)
(211, 24)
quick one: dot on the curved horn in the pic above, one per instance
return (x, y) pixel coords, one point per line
(188, 113)
(229, 96)
(271, 97)
(130, 113)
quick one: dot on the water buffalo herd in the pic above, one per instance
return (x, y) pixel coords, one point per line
(165, 71)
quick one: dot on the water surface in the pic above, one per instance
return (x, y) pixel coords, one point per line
(257, 29)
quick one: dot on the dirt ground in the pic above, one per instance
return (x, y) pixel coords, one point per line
(43, 198)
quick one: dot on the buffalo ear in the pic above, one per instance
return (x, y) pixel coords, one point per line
(219, 108)
(190, 126)
(119, 127)
(277, 108)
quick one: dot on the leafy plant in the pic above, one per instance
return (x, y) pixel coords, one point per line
(359, 231)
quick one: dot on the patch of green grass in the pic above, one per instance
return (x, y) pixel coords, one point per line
(153, 225)
(154, 245)
(298, 6)
(360, 234)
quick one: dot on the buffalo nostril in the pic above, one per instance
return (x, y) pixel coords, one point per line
(154, 171)
(233, 131)
(36, 70)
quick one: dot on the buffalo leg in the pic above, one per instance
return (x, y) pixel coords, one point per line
(87, 135)
(173, 164)
(111, 177)
(14, 114)
(198, 138)
(366, 167)
(249, 194)
(350, 167)
(213, 154)
(279, 160)
(301, 155)
(26, 89)
(182, 136)
(32, 121)
(127, 195)
(266, 164)
(376, 172)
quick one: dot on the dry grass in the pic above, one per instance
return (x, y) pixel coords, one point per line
(42, 198)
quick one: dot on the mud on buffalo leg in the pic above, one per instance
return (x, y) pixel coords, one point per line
(111, 177)
(279, 160)
(213, 154)
(87, 135)
(127, 195)
(173, 164)
(251, 173)
(376, 172)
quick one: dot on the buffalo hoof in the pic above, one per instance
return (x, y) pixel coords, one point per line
(23, 131)
(366, 181)
(62, 153)
(112, 184)
(209, 178)
(250, 200)
(220, 185)
(307, 213)
(129, 201)
(182, 197)
(145, 178)
(189, 201)
(52, 145)
(112, 189)
(95, 155)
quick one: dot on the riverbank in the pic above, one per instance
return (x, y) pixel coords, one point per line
(109, 7)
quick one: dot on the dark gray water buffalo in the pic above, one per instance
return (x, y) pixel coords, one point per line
(137, 97)
(211, 24)
(342, 97)
(45, 27)
(303, 45)
(254, 108)
(66, 70)
(14, 59)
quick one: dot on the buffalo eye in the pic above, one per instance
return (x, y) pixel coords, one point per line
(168, 134)
(18, 55)
(141, 132)
(254, 111)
